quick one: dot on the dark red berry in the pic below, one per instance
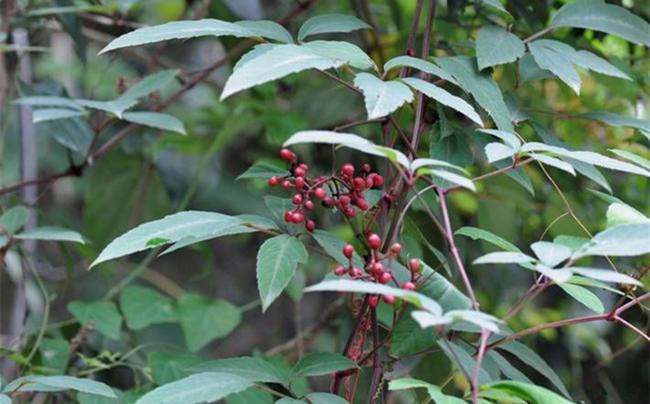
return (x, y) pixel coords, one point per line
(410, 52)
(390, 299)
(369, 181)
(350, 212)
(288, 216)
(377, 268)
(348, 251)
(338, 271)
(373, 301)
(297, 199)
(356, 272)
(347, 169)
(287, 155)
(374, 241)
(408, 286)
(304, 166)
(329, 202)
(299, 172)
(320, 193)
(385, 278)
(362, 203)
(286, 184)
(378, 181)
(310, 225)
(297, 217)
(396, 248)
(359, 183)
(415, 265)
(300, 183)
(274, 181)
(344, 200)
(309, 205)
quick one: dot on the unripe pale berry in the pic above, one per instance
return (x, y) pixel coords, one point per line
(408, 286)
(374, 241)
(347, 169)
(310, 225)
(339, 271)
(273, 181)
(297, 199)
(287, 155)
(385, 278)
(390, 299)
(309, 205)
(320, 193)
(396, 248)
(415, 265)
(348, 251)
(373, 301)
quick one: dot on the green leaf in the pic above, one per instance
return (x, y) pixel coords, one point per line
(461, 358)
(325, 398)
(495, 46)
(619, 241)
(13, 219)
(198, 388)
(182, 30)
(455, 179)
(509, 138)
(529, 70)
(605, 275)
(204, 320)
(172, 228)
(480, 234)
(51, 233)
(532, 359)
(58, 383)
(343, 53)
(583, 296)
(506, 367)
(498, 151)
(156, 120)
(49, 101)
(267, 29)
(51, 114)
(54, 354)
(419, 64)
(617, 120)
(321, 363)
(550, 254)
(504, 258)
(102, 314)
(143, 307)
(271, 62)
(333, 246)
(406, 383)
(263, 170)
(151, 83)
(529, 392)
(382, 97)
(277, 260)
(553, 162)
(590, 61)
(442, 96)
(253, 369)
(328, 23)
(440, 289)
(620, 213)
(600, 16)
(496, 4)
(409, 338)
(635, 158)
(481, 86)
(169, 366)
(115, 107)
(555, 57)
(4, 399)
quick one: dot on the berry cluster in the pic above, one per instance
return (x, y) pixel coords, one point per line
(375, 270)
(346, 190)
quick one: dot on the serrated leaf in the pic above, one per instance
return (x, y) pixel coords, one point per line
(172, 228)
(480, 234)
(619, 241)
(583, 296)
(553, 162)
(635, 158)
(419, 64)
(620, 213)
(277, 260)
(151, 83)
(498, 151)
(600, 16)
(51, 233)
(504, 258)
(531, 393)
(156, 120)
(605, 275)
(554, 56)
(425, 162)
(593, 62)
(204, 320)
(13, 219)
(104, 315)
(550, 254)
(52, 114)
(442, 96)
(333, 246)
(267, 29)
(382, 97)
(143, 307)
(342, 53)
(198, 388)
(115, 107)
(481, 86)
(509, 138)
(409, 338)
(321, 363)
(495, 46)
(253, 369)
(455, 179)
(58, 383)
(328, 23)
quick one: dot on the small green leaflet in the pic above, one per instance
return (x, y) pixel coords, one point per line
(13, 219)
(143, 307)
(529, 392)
(634, 158)
(620, 213)
(419, 64)
(103, 314)
(204, 320)
(617, 120)
(58, 383)
(583, 296)
(343, 53)
(321, 363)
(195, 389)
(480, 234)
(150, 84)
(115, 107)
(257, 370)
(52, 114)
(552, 55)
(263, 170)
(619, 241)
(277, 260)
(601, 16)
(328, 23)
(495, 46)
(156, 120)
(382, 97)
(51, 233)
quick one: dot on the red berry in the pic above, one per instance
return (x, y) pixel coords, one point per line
(348, 251)
(310, 225)
(366, 168)
(408, 286)
(297, 199)
(288, 155)
(347, 169)
(320, 193)
(299, 172)
(273, 181)
(415, 265)
(362, 203)
(373, 301)
(300, 183)
(359, 183)
(378, 181)
(344, 200)
(288, 216)
(304, 166)
(286, 184)
(390, 299)
(385, 278)
(369, 181)
(329, 202)
(374, 241)
(309, 205)
(350, 212)
(339, 271)
(297, 217)
(396, 248)
(356, 272)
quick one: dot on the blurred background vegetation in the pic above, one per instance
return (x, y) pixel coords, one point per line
(151, 172)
